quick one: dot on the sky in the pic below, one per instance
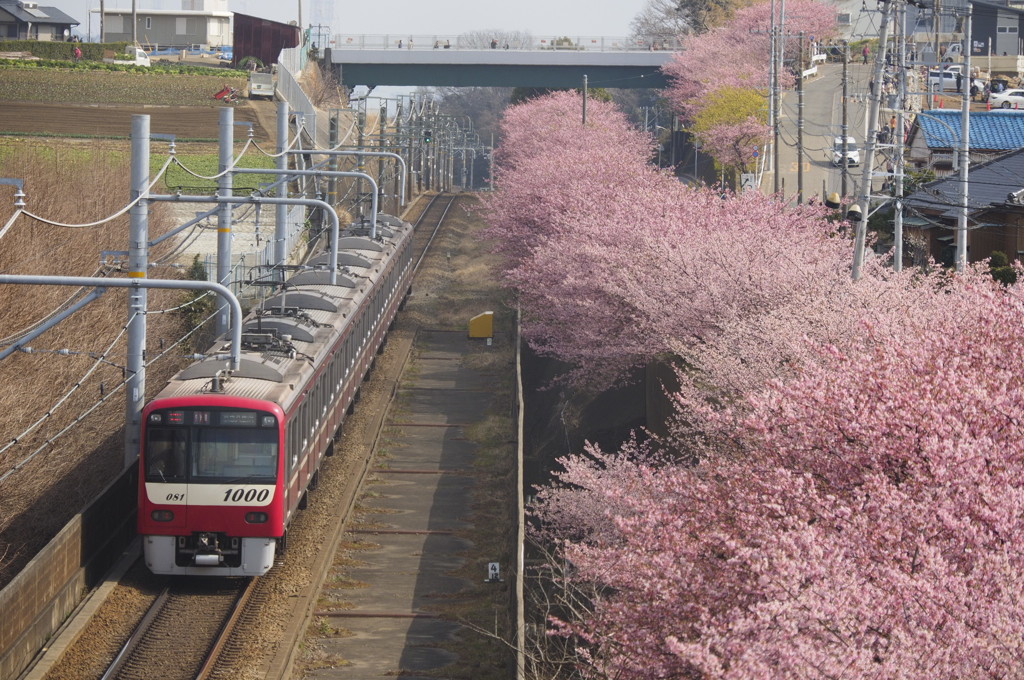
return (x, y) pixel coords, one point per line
(415, 17)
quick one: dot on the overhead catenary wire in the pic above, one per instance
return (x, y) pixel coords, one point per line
(234, 163)
(109, 218)
(74, 388)
(290, 147)
(23, 462)
(100, 359)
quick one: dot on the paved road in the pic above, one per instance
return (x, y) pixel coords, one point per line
(822, 123)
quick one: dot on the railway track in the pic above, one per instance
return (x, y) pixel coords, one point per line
(182, 634)
(429, 223)
(197, 628)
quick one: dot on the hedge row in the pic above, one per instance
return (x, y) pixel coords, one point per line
(159, 66)
(63, 50)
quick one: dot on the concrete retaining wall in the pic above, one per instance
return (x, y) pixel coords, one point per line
(52, 585)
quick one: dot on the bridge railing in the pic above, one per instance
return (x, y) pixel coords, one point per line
(462, 42)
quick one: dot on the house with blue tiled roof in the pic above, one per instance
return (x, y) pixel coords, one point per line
(995, 212)
(934, 138)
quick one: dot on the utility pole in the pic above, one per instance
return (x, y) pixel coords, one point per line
(774, 95)
(360, 145)
(772, 113)
(382, 126)
(281, 210)
(333, 134)
(800, 122)
(897, 138)
(138, 266)
(584, 99)
(224, 188)
(844, 127)
(860, 231)
(965, 148)
(779, 57)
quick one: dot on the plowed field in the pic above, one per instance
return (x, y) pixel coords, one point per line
(185, 122)
(51, 102)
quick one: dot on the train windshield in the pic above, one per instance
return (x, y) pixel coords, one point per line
(193, 446)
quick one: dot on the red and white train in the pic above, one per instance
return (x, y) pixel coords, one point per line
(227, 459)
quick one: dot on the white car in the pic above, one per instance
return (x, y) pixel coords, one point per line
(852, 152)
(941, 81)
(1007, 99)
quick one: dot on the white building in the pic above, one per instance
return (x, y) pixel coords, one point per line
(198, 22)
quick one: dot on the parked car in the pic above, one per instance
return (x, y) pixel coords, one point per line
(261, 85)
(940, 81)
(136, 56)
(1007, 99)
(852, 152)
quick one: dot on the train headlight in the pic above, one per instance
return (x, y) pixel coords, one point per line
(256, 517)
(162, 515)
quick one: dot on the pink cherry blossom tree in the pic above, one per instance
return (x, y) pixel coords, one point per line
(615, 263)
(738, 54)
(860, 519)
(731, 125)
(841, 494)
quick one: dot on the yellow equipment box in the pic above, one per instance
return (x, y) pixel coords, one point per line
(482, 325)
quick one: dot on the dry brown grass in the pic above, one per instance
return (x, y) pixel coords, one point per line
(323, 89)
(70, 185)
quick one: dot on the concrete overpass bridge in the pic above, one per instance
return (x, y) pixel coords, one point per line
(560, 62)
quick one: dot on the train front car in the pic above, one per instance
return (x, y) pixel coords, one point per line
(210, 499)
(229, 456)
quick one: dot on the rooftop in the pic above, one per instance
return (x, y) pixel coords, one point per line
(989, 130)
(989, 184)
(30, 12)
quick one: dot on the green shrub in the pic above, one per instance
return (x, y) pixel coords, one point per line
(62, 50)
(1000, 269)
(1004, 275)
(196, 310)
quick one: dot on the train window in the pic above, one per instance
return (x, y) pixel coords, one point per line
(166, 454)
(234, 453)
(311, 414)
(293, 447)
(304, 420)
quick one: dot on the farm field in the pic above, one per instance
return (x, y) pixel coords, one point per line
(53, 102)
(65, 133)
